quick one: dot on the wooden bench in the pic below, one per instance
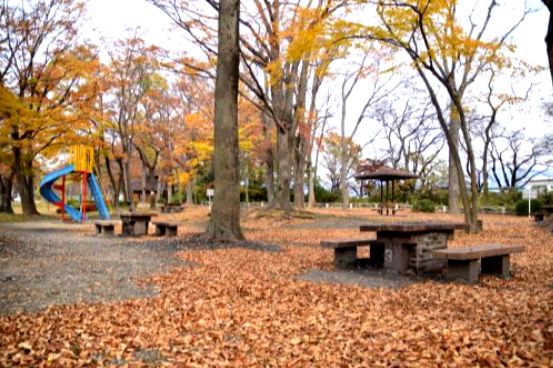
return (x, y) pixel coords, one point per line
(164, 228)
(462, 263)
(172, 208)
(345, 251)
(105, 227)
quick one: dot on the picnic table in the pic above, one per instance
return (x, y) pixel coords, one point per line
(410, 244)
(136, 223)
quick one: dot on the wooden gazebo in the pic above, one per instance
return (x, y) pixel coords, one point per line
(385, 175)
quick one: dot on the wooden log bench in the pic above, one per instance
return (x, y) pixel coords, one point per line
(463, 263)
(105, 227)
(164, 228)
(345, 251)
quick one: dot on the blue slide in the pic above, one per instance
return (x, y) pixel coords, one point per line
(47, 191)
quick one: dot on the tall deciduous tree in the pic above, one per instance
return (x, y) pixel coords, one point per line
(512, 167)
(413, 141)
(278, 49)
(370, 71)
(42, 65)
(132, 67)
(224, 223)
(549, 37)
(443, 51)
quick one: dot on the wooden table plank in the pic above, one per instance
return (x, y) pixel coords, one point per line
(412, 226)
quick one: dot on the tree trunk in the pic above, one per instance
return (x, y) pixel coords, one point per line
(485, 174)
(144, 183)
(549, 38)
(299, 180)
(169, 193)
(6, 183)
(22, 170)
(26, 192)
(453, 185)
(128, 183)
(190, 192)
(224, 222)
(283, 170)
(311, 200)
(115, 184)
(269, 160)
(344, 190)
(301, 140)
(152, 179)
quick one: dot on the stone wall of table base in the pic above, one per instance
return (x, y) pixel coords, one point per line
(421, 258)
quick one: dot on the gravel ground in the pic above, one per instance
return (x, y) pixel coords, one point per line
(47, 262)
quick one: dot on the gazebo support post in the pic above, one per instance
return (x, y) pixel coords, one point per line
(381, 210)
(393, 197)
(387, 196)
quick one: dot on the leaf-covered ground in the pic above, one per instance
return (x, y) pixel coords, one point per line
(244, 307)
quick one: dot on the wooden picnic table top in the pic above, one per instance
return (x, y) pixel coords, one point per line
(410, 227)
(137, 215)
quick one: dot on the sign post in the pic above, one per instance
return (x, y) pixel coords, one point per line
(210, 193)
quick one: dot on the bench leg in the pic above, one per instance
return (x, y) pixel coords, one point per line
(499, 265)
(128, 228)
(465, 270)
(140, 228)
(98, 229)
(109, 230)
(377, 254)
(160, 230)
(345, 257)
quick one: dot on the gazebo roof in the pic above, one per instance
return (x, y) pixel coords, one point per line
(385, 173)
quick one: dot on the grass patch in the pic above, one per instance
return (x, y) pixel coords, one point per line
(5, 217)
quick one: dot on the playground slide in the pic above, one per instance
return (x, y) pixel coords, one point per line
(47, 191)
(96, 192)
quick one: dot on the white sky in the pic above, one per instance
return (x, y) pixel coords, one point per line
(109, 20)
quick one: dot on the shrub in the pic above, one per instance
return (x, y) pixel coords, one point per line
(322, 195)
(176, 199)
(547, 198)
(521, 207)
(424, 205)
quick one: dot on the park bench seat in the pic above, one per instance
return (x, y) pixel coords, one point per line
(345, 251)
(105, 227)
(172, 208)
(164, 228)
(462, 263)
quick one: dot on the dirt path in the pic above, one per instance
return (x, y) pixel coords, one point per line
(47, 262)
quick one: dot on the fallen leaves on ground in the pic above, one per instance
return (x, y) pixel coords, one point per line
(243, 307)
